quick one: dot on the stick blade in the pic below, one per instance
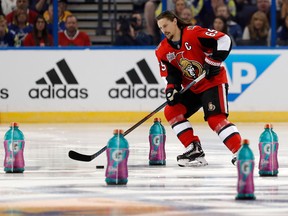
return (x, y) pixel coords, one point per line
(79, 157)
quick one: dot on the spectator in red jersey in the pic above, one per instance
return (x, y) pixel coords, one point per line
(39, 36)
(185, 54)
(72, 36)
(22, 5)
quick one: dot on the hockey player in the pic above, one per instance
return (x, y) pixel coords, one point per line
(185, 53)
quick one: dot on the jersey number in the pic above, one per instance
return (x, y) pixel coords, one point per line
(211, 32)
(162, 66)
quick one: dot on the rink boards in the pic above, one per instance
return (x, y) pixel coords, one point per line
(122, 85)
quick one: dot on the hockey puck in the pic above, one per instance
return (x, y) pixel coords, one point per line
(100, 167)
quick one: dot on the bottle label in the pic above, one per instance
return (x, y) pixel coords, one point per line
(117, 163)
(245, 176)
(157, 147)
(14, 157)
(268, 156)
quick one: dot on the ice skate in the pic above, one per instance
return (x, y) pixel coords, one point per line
(193, 157)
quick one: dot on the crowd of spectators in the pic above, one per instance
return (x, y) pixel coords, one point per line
(247, 22)
(30, 23)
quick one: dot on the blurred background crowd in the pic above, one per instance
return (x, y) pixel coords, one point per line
(132, 22)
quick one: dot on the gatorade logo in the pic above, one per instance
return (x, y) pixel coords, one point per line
(16, 146)
(244, 70)
(117, 155)
(267, 149)
(245, 168)
(156, 140)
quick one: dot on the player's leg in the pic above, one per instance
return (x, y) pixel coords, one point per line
(227, 132)
(177, 117)
(215, 106)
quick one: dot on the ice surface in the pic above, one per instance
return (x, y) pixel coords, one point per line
(53, 184)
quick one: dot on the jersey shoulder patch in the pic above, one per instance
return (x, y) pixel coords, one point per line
(190, 27)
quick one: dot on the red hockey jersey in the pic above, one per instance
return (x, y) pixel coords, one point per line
(80, 39)
(188, 56)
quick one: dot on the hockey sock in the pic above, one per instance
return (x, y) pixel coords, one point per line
(180, 125)
(184, 132)
(226, 131)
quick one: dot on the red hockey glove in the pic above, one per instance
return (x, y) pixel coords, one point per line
(212, 67)
(172, 95)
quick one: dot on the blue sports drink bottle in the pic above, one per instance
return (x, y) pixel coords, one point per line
(157, 138)
(14, 150)
(245, 168)
(117, 158)
(268, 148)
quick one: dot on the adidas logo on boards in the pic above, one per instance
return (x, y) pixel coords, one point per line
(137, 89)
(57, 89)
(4, 93)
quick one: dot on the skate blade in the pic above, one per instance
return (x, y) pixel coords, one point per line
(234, 161)
(198, 162)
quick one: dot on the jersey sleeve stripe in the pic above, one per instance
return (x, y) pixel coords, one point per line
(224, 43)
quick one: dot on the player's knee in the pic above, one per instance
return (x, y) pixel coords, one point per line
(174, 113)
(217, 121)
(222, 126)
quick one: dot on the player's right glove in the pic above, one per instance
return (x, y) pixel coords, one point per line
(211, 67)
(172, 95)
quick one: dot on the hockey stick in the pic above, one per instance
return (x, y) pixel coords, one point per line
(86, 158)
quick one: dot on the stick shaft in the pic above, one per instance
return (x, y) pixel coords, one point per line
(81, 157)
(162, 105)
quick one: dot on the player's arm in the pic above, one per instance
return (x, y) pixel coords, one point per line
(173, 82)
(220, 44)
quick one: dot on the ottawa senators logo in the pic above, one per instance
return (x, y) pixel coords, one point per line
(211, 106)
(191, 69)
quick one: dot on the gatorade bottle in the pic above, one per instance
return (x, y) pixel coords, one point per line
(275, 150)
(268, 147)
(157, 140)
(117, 157)
(14, 148)
(245, 167)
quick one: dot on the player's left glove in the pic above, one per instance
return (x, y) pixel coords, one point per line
(172, 95)
(212, 67)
